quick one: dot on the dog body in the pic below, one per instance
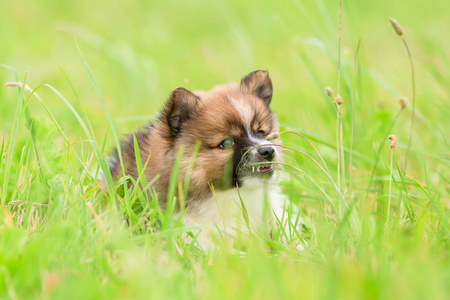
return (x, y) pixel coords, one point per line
(233, 167)
(225, 211)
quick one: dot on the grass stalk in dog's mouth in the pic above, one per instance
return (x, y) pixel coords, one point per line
(323, 168)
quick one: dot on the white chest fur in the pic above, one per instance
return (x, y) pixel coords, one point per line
(251, 206)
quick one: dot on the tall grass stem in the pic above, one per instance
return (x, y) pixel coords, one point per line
(393, 139)
(413, 80)
(352, 116)
(390, 186)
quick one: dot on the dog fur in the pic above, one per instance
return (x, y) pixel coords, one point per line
(239, 112)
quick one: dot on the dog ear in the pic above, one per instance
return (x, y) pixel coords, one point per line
(259, 84)
(179, 108)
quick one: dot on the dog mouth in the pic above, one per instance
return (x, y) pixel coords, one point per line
(253, 166)
(261, 169)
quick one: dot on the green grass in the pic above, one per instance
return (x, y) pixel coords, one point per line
(62, 237)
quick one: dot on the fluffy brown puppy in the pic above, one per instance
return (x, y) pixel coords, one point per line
(229, 120)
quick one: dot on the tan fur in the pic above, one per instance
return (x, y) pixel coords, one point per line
(205, 116)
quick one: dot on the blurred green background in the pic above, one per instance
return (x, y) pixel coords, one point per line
(139, 51)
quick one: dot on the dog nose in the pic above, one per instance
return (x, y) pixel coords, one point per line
(267, 152)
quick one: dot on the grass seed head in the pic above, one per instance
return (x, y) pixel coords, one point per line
(397, 27)
(394, 140)
(273, 136)
(13, 84)
(403, 102)
(338, 100)
(329, 91)
(19, 85)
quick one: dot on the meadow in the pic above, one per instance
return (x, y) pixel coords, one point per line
(376, 218)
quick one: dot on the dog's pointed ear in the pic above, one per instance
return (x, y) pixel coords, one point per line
(180, 107)
(259, 84)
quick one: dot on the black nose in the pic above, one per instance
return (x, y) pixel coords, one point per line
(267, 152)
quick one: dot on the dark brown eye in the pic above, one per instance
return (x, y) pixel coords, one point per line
(226, 144)
(261, 133)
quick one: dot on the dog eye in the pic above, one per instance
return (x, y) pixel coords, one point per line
(261, 133)
(226, 144)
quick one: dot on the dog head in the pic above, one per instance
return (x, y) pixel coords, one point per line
(232, 122)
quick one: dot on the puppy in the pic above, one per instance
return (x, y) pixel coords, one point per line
(233, 183)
